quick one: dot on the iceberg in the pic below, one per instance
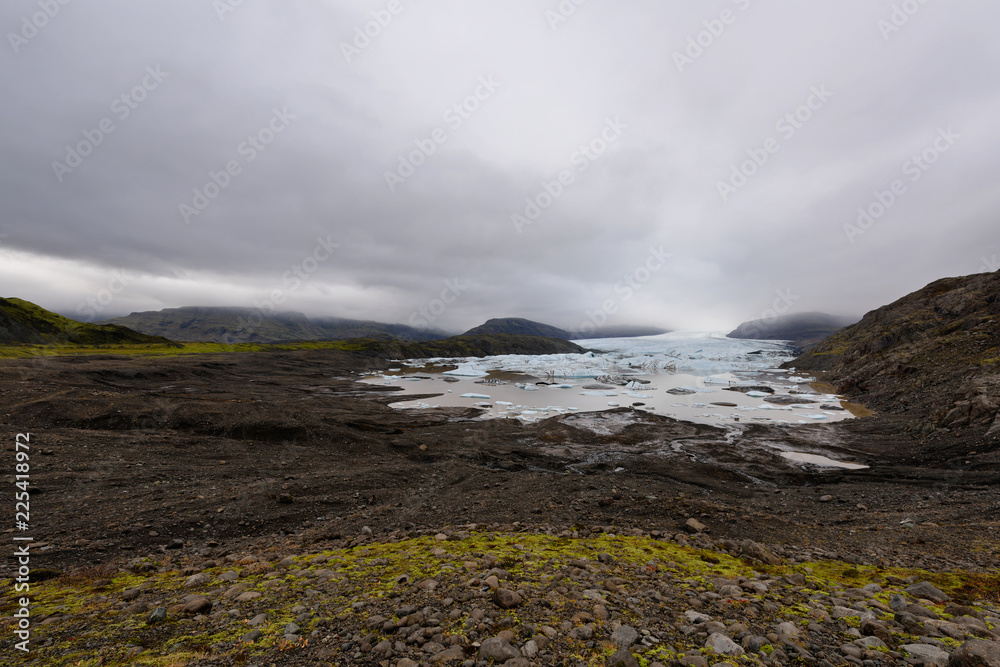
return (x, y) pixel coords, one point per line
(467, 370)
(479, 396)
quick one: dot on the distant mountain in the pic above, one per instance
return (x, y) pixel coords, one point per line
(934, 354)
(520, 327)
(803, 329)
(22, 322)
(249, 325)
(466, 345)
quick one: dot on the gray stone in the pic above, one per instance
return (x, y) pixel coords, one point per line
(695, 526)
(453, 654)
(507, 599)
(252, 636)
(257, 620)
(696, 617)
(873, 643)
(197, 580)
(897, 602)
(291, 629)
(623, 658)
(198, 605)
(159, 614)
(497, 649)
(976, 653)
(927, 590)
(787, 630)
(754, 643)
(723, 645)
(926, 653)
(624, 637)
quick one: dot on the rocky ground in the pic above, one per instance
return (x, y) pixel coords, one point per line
(278, 474)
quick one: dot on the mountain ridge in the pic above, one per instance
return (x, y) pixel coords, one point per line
(227, 324)
(25, 323)
(803, 329)
(933, 354)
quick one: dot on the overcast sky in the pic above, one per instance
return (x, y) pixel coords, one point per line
(713, 156)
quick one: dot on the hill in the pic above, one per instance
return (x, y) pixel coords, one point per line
(934, 354)
(475, 345)
(24, 323)
(520, 327)
(804, 329)
(248, 325)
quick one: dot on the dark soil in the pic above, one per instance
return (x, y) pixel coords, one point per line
(129, 454)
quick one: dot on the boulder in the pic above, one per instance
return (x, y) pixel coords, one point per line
(498, 650)
(927, 590)
(976, 653)
(723, 645)
(624, 637)
(623, 658)
(507, 599)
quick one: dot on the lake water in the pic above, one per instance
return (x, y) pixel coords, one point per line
(685, 375)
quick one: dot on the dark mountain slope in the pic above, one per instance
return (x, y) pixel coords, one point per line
(933, 355)
(804, 329)
(248, 325)
(518, 326)
(22, 322)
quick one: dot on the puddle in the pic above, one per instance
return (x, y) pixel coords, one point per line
(816, 459)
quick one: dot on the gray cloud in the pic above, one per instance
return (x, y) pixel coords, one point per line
(323, 175)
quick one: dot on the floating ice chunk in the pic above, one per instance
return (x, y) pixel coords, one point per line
(395, 370)
(817, 417)
(613, 404)
(526, 387)
(506, 404)
(758, 394)
(635, 394)
(561, 386)
(483, 396)
(598, 393)
(467, 370)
